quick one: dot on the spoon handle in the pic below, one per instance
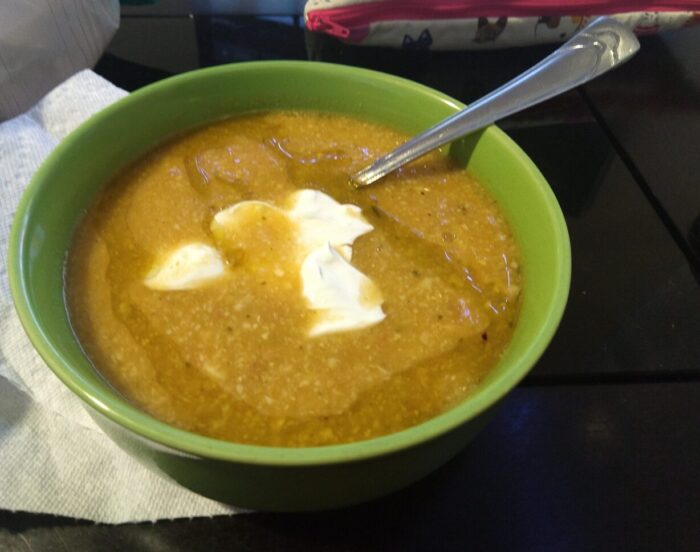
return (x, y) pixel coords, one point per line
(597, 48)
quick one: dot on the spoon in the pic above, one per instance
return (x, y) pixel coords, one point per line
(599, 47)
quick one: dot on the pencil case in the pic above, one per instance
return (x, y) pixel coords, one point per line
(480, 24)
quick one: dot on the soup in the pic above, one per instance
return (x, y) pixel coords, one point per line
(231, 283)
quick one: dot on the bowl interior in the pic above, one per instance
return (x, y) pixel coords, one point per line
(63, 187)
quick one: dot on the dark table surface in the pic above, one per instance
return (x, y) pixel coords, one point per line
(599, 448)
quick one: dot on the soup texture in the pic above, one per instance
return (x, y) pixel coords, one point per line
(235, 355)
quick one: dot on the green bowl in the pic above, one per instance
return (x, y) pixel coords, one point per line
(270, 478)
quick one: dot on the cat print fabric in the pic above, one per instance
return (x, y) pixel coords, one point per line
(445, 25)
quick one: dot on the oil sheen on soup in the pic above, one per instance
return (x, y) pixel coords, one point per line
(232, 284)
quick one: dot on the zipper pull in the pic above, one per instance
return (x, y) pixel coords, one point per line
(318, 21)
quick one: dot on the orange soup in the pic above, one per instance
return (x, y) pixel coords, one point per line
(231, 283)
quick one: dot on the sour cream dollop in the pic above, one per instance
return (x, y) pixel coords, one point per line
(344, 298)
(188, 267)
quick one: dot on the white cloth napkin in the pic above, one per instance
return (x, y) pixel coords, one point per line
(53, 457)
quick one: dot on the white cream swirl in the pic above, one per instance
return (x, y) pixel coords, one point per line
(343, 297)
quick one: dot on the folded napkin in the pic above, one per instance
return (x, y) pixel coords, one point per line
(53, 457)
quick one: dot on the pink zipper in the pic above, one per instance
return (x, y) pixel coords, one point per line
(351, 23)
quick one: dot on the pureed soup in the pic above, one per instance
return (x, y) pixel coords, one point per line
(231, 283)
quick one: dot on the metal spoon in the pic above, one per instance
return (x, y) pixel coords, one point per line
(599, 47)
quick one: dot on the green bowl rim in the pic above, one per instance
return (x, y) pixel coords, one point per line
(122, 413)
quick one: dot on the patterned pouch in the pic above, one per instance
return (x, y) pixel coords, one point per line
(480, 24)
